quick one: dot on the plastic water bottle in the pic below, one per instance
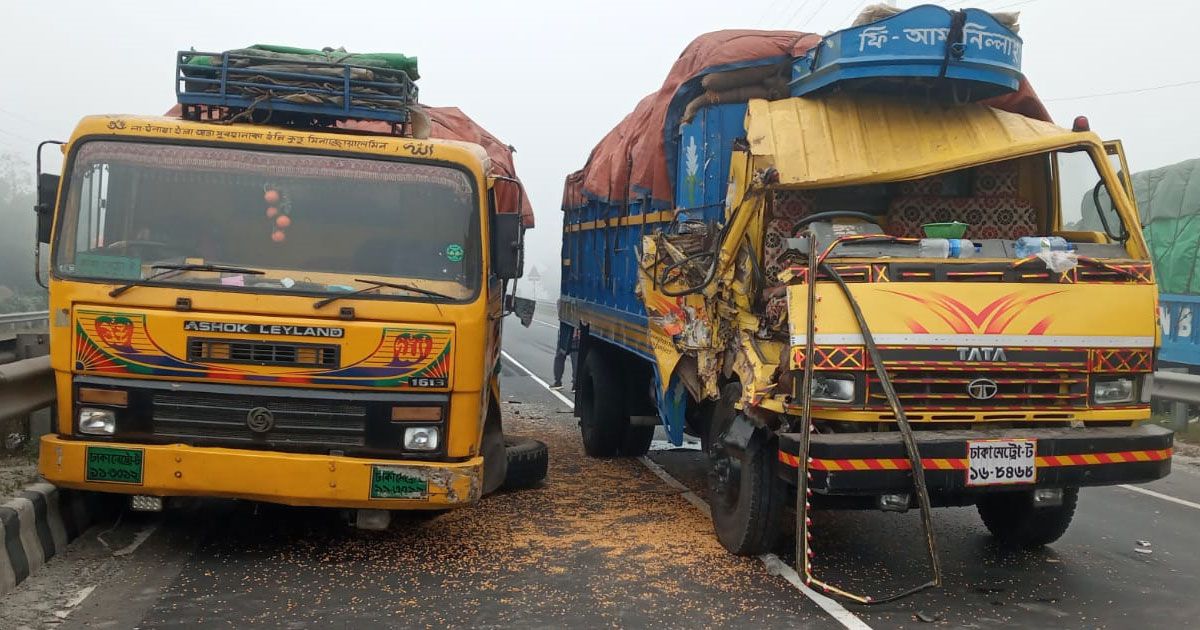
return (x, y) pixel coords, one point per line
(935, 248)
(947, 248)
(1030, 245)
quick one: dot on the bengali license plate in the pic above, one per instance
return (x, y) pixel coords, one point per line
(1001, 462)
(113, 465)
(393, 482)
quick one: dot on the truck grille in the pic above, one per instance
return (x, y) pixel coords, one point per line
(920, 389)
(192, 416)
(263, 353)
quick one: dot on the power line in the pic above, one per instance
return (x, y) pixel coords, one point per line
(1011, 5)
(1122, 92)
(771, 8)
(796, 13)
(853, 12)
(815, 12)
(18, 116)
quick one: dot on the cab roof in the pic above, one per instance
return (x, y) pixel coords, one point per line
(840, 140)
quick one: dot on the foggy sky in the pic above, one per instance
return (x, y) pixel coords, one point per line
(551, 78)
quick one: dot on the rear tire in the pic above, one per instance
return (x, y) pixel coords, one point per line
(602, 418)
(746, 496)
(528, 462)
(636, 441)
(1012, 518)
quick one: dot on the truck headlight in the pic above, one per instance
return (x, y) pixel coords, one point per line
(1117, 390)
(97, 421)
(421, 438)
(833, 389)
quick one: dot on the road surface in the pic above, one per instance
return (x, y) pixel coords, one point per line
(610, 543)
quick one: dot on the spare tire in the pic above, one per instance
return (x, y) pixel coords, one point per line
(528, 461)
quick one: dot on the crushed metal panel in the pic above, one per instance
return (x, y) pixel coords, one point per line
(839, 140)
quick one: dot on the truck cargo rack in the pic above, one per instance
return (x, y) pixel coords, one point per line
(310, 92)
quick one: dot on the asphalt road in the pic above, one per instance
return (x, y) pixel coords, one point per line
(608, 543)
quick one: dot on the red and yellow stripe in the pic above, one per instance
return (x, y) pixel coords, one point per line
(960, 463)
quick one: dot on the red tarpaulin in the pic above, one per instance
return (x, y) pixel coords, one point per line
(450, 123)
(631, 160)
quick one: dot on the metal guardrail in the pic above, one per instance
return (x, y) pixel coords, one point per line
(13, 322)
(25, 387)
(1181, 388)
(1176, 386)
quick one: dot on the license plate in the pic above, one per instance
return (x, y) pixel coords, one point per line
(1001, 462)
(391, 482)
(113, 465)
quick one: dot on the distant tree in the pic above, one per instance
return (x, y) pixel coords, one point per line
(18, 290)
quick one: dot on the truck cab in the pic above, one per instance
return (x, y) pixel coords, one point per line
(271, 312)
(865, 290)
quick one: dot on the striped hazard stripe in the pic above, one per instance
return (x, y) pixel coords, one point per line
(941, 463)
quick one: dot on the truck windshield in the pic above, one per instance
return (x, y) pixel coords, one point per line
(310, 223)
(995, 209)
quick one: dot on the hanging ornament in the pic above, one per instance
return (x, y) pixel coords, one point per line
(278, 209)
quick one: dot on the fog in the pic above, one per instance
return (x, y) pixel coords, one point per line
(551, 78)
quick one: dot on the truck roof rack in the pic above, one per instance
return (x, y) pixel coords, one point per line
(301, 91)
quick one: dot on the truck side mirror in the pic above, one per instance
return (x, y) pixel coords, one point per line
(508, 246)
(47, 193)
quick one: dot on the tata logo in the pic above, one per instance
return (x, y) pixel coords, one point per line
(982, 389)
(981, 354)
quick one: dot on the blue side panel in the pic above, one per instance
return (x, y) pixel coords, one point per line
(601, 238)
(705, 144)
(1180, 335)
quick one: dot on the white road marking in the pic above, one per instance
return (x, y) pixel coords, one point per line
(546, 324)
(773, 564)
(138, 539)
(1164, 497)
(570, 403)
(75, 601)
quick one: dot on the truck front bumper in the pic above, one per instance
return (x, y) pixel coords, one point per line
(274, 477)
(876, 463)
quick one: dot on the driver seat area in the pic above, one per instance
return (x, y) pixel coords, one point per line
(788, 207)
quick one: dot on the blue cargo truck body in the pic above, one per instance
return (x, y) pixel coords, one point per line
(602, 238)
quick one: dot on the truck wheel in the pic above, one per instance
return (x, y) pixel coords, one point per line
(528, 460)
(746, 496)
(602, 419)
(636, 441)
(492, 447)
(1012, 518)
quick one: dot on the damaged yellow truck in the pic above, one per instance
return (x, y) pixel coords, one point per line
(825, 277)
(298, 304)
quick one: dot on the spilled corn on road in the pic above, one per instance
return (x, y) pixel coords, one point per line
(603, 543)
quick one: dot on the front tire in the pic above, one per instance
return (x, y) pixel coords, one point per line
(746, 496)
(1014, 520)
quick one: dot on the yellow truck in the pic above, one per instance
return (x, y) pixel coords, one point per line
(281, 302)
(868, 295)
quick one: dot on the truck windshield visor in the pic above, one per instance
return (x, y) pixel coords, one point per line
(310, 223)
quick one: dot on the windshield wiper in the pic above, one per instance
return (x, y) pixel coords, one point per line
(375, 286)
(170, 268)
